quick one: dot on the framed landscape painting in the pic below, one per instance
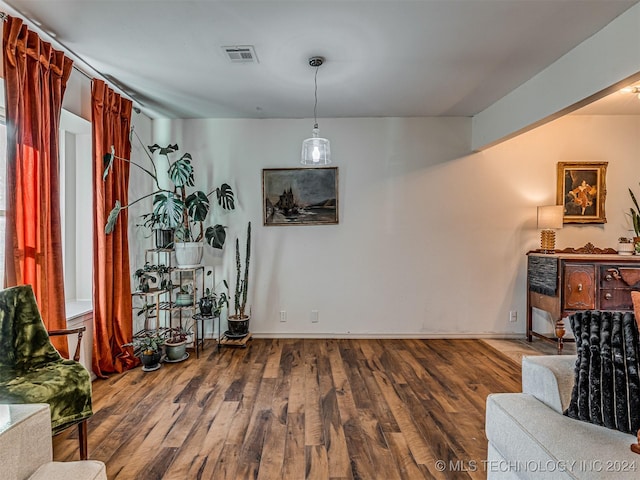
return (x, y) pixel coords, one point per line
(582, 191)
(300, 196)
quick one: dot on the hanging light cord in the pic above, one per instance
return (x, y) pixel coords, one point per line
(315, 105)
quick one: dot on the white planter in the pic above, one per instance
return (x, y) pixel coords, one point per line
(188, 254)
(626, 248)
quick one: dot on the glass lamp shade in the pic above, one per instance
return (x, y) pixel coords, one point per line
(316, 150)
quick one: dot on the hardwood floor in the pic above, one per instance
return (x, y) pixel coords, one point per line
(296, 409)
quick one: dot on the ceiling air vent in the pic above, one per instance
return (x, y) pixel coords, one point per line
(241, 54)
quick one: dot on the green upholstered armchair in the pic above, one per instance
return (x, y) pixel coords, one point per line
(32, 370)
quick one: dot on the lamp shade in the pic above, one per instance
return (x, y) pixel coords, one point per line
(316, 150)
(550, 217)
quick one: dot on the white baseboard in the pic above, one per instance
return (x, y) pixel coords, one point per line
(420, 336)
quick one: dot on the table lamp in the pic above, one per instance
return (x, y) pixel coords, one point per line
(550, 217)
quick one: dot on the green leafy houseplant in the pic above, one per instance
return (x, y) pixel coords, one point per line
(147, 344)
(175, 207)
(145, 276)
(212, 303)
(156, 226)
(635, 214)
(176, 335)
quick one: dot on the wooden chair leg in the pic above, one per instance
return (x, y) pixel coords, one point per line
(82, 439)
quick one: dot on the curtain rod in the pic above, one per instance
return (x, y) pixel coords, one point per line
(3, 18)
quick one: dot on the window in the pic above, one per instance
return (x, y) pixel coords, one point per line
(3, 176)
(76, 210)
(76, 206)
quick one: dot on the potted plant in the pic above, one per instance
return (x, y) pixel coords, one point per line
(239, 321)
(175, 344)
(176, 207)
(149, 348)
(184, 297)
(157, 226)
(211, 303)
(635, 217)
(145, 275)
(625, 246)
(143, 278)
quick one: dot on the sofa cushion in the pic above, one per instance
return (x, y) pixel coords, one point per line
(549, 378)
(25, 440)
(83, 470)
(535, 442)
(607, 380)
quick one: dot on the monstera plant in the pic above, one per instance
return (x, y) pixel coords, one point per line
(175, 206)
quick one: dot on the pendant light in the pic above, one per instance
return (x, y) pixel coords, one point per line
(316, 150)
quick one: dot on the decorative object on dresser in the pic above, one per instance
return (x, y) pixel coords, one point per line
(582, 191)
(174, 207)
(563, 283)
(588, 249)
(625, 246)
(300, 196)
(549, 219)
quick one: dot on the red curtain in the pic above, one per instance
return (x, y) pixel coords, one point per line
(111, 118)
(35, 80)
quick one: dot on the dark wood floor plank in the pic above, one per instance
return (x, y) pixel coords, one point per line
(294, 459)
(299, 408)
(317, 465)
(209, 450)
(312, 402)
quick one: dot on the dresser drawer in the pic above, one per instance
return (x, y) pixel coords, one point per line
(619, 277)
(579, 287)
(615, 299)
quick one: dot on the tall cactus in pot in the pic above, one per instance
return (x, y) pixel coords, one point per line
(242, 284)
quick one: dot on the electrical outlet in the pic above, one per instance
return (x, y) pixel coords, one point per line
(315, 316)
(513, 316)
(283, 315)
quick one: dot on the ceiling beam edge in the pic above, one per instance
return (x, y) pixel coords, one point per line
(604, 62)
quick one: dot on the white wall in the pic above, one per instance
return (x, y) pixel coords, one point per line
(431, 241)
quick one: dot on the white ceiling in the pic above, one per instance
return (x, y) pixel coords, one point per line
(384, 58)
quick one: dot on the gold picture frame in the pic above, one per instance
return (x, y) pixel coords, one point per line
(582, 191)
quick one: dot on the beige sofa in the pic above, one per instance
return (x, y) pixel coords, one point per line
(26, 451)
(530, 438)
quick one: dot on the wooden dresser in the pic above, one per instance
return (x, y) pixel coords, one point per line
(563, 283)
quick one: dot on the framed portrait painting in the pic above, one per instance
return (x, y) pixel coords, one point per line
(582, 191)
(300, 196)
